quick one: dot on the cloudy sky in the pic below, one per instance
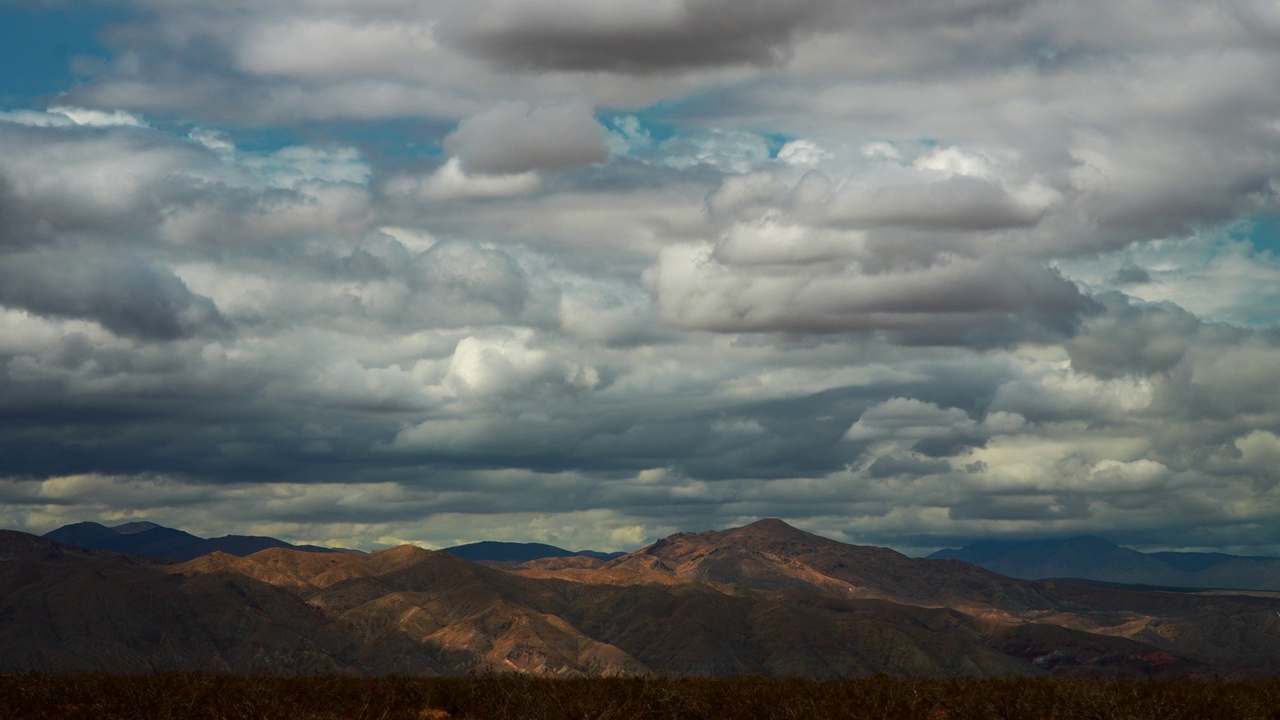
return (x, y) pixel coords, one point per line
(590, 272)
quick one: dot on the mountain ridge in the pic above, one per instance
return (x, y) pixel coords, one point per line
(516, 552)
(151, 540)
(765, 599)
(1094, 558)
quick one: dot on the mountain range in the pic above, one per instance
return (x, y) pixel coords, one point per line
(513, 552)
(764, 599)
(151, 540)
(1094, 558)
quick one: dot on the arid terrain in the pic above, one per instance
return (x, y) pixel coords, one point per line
(766, 599)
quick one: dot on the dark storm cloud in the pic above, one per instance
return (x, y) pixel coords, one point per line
(891, 465)
(1135, 338)
(16, 228)
(1024, 509)
(126, 296)
(624, 38)
(617, 36)
(1131, 275)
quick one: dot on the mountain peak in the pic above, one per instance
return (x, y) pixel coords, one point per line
(1091, 542)
(771, 529)
(84, 534)
(770, 525)
(133, 528)
(401, 555)
(769, 534)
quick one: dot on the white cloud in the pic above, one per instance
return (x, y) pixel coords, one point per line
(494, 366)
(66, 116)
(1139, 475)
(802, 153)
(948, 188)
(99, 118)
(451, 182)
(774, 239)
(1260, 455)
(909, 419)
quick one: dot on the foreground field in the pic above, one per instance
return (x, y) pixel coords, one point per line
(177, 696)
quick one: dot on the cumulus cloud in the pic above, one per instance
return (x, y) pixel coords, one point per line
(1130, 182)
(915, 246)
(1260, 454)
(960, 301)
(1116, 475)
(928, 429)
(946, 190)
(1136, 338)
(900, 272)
(911, 419)
(514, 138)
(612, 316)
(802, 153)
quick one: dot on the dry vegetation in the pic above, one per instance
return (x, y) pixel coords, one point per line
(177, 696)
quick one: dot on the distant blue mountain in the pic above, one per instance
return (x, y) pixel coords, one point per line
(519, 552)
(1095, 558)
(83, 534)
(152, 540)
(1195, 562)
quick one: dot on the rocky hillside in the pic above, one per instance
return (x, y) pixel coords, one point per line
(764, 599)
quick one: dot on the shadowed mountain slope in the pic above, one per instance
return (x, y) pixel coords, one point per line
(70, 609)
(511, 552)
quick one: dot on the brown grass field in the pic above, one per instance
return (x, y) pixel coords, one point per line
(178, 696)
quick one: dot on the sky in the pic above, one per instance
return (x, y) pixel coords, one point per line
(591, 272)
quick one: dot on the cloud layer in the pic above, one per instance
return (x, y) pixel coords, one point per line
(589, 273)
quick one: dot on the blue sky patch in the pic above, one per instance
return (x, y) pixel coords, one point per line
(39, 45)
